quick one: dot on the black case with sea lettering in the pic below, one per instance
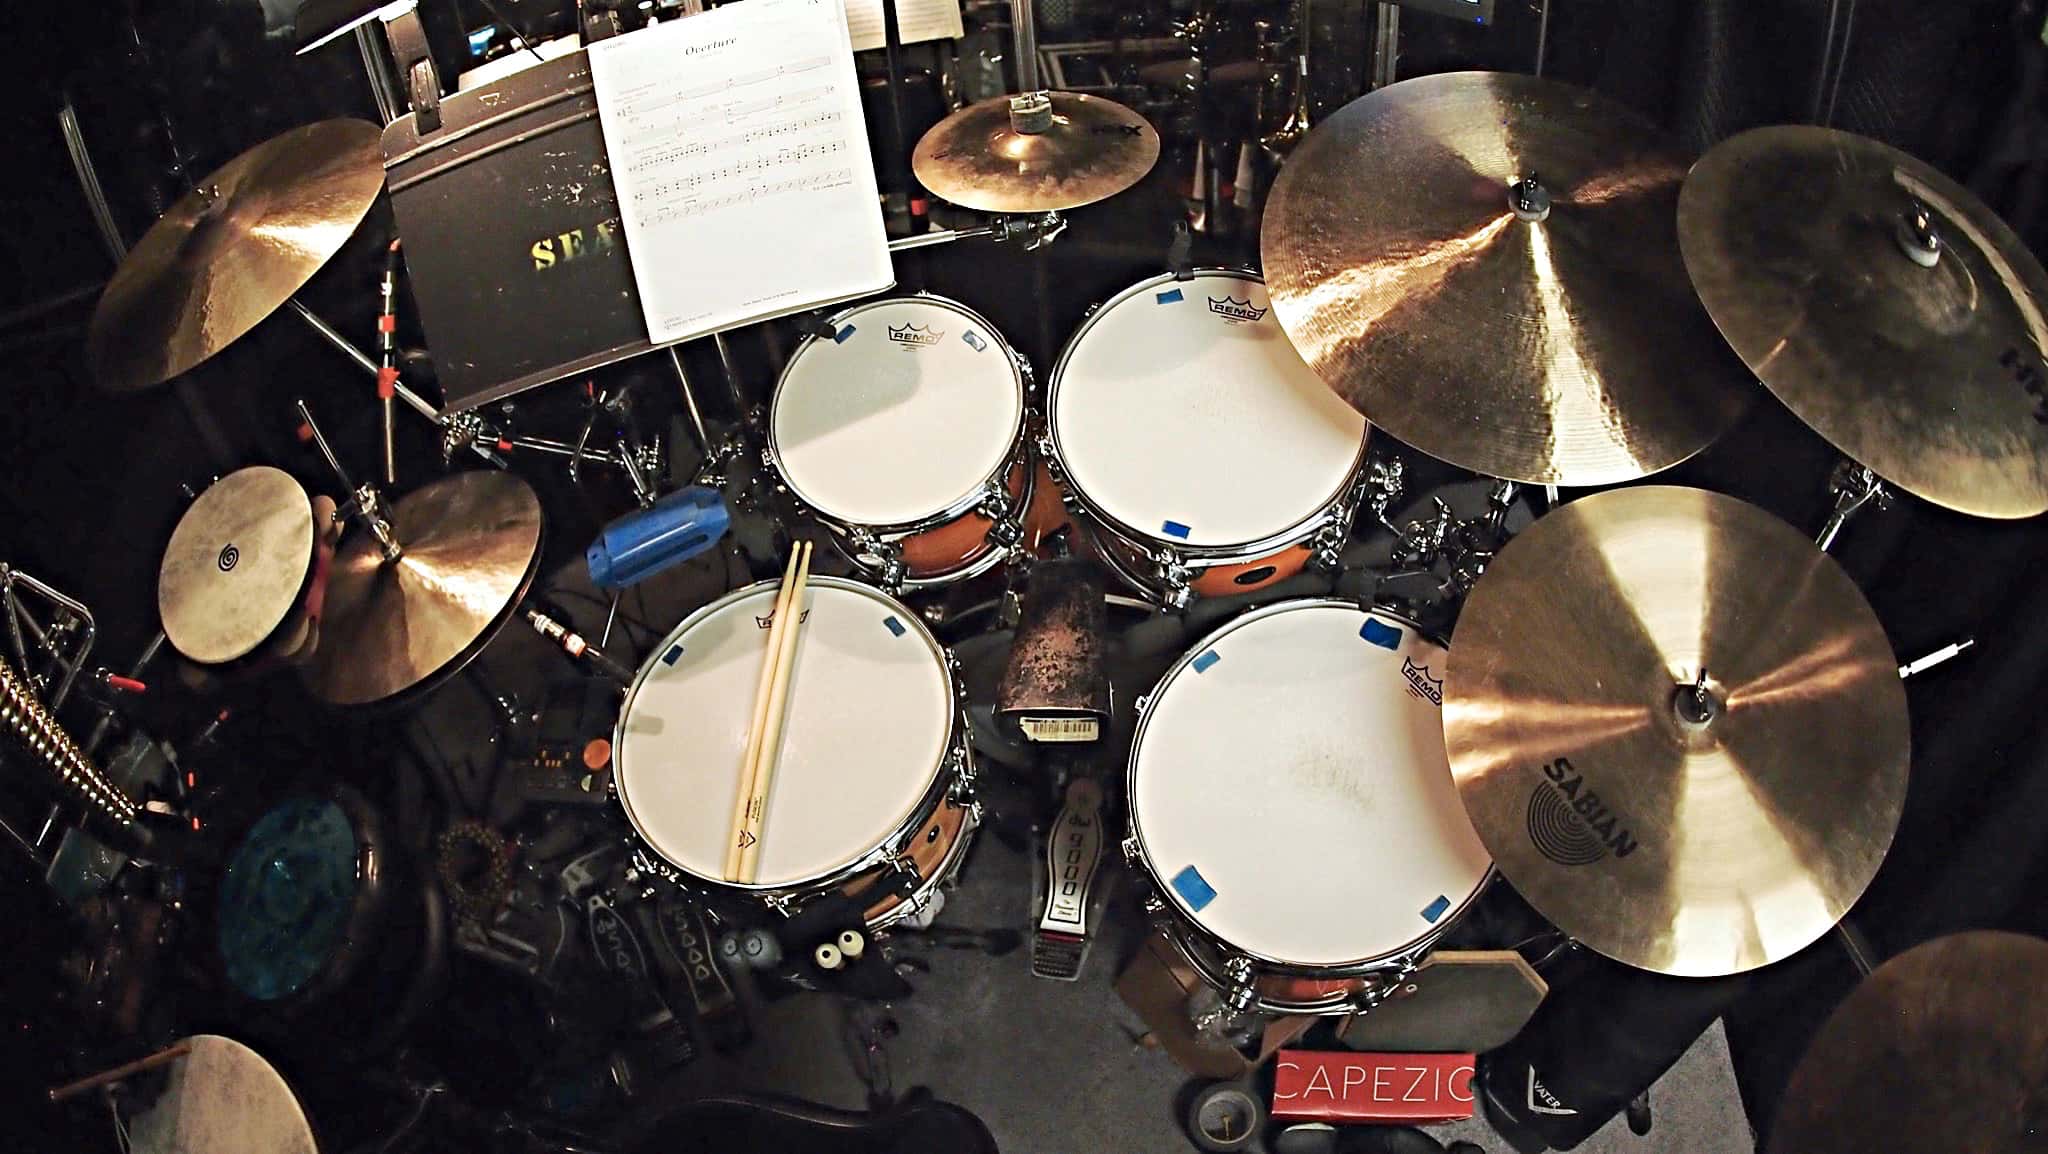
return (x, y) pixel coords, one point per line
(511, 235)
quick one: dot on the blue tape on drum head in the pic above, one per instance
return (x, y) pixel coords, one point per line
(1435, 909)
(894, 625)
(1378, 633)
(1193, 888)
(839, 338)
(674, 652)
(973, 340)
(1207, 659)
(1166, 298)
(1175, 529)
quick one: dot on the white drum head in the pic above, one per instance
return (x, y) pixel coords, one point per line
(912, 406)
(1290, 790)
(1181, 411)
(222, 1098)
(870, 710)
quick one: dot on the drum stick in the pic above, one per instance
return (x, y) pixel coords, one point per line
(771, 734)
(161, 1057)
(760, 716)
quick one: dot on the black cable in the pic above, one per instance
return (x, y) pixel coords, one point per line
(525, 41)
(1842, 64)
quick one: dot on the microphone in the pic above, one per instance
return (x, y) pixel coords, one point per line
(666, 534)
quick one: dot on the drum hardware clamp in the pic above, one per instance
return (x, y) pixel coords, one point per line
(1853, 486)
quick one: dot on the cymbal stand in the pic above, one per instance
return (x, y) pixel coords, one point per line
(1853, 487)
(1280, 142)
(65, 641)
(363, 502)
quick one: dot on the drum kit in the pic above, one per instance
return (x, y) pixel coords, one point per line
(1667, 719)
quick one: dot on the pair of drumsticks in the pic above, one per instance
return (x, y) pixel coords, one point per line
(764, 736)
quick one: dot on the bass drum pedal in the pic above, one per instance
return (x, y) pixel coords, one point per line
(1068, 904)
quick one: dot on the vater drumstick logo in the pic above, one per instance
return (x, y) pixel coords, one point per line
(1570, 824)
(1232, 309)
(914, 335)
(768, 622)
(1421, 684)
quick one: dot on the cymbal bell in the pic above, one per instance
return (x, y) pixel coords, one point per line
(1486, 266)
(470, 545)
(1678, 727)
(1884, 304)
(1944, 1047)
(1090, 149)
(232, 251)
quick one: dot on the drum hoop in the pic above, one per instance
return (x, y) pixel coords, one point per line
(1181, 921)
(974, 567)
(955, 760)
(960, 506)
(1201, 555)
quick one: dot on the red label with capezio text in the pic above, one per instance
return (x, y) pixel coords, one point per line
(1342, 1086)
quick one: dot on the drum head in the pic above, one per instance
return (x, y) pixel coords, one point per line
(1290, 791)
(222, 1098)
(899, 417)
(1181, 411)
(870, 712)
(236, 565)
(287, 897)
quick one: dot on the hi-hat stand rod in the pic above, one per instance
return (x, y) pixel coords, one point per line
(361, 358)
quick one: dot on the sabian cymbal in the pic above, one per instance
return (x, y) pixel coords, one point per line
(233, 250)
(236, 565)
(1090, 150)
(1686, 838)
(471, 543)
(1543, 334)
(1944, 1047)
(1802, 244)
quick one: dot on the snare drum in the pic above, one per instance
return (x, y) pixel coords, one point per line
(1207, 457)
(1292, 803)
(871, 790)
(903, 433)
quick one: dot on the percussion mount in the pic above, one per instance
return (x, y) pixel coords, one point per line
(1853, 486)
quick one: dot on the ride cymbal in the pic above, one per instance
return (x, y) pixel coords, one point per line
(1091, 149)
(1920, 358)
(232, 251)
(1542, 332)
(236, 565)
(469, 546)
(1944, 1047)
(1693, 834)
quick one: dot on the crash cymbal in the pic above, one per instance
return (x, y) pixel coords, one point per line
(1924, 364)
(470, 544)
(1090, 150)
(236, 565)
(233, 250)
(1690, 835)
(1944, 1047)
(1545, 334)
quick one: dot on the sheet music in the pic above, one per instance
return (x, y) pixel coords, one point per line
(741, 161)
(915, 20)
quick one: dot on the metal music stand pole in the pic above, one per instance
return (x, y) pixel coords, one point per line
(899, 147)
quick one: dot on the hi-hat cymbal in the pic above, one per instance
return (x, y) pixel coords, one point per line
(233, 250)
(1546, 334)
(471, 543)
(236, 565)
(1690, 835)
(1925, 365)
(1091, 150)
(1944, 1047)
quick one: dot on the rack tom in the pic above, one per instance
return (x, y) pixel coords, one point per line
(1206, 457)
(903, 433)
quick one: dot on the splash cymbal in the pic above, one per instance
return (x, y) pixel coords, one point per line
(236, 565)
(470, 545)
(1923, 361)
(233, 250)
(1693, 834)
(1944, 1047)
(1091, 149)
(1542, 333)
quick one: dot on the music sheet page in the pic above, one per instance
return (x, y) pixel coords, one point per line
(741, 161)
(916, 20)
